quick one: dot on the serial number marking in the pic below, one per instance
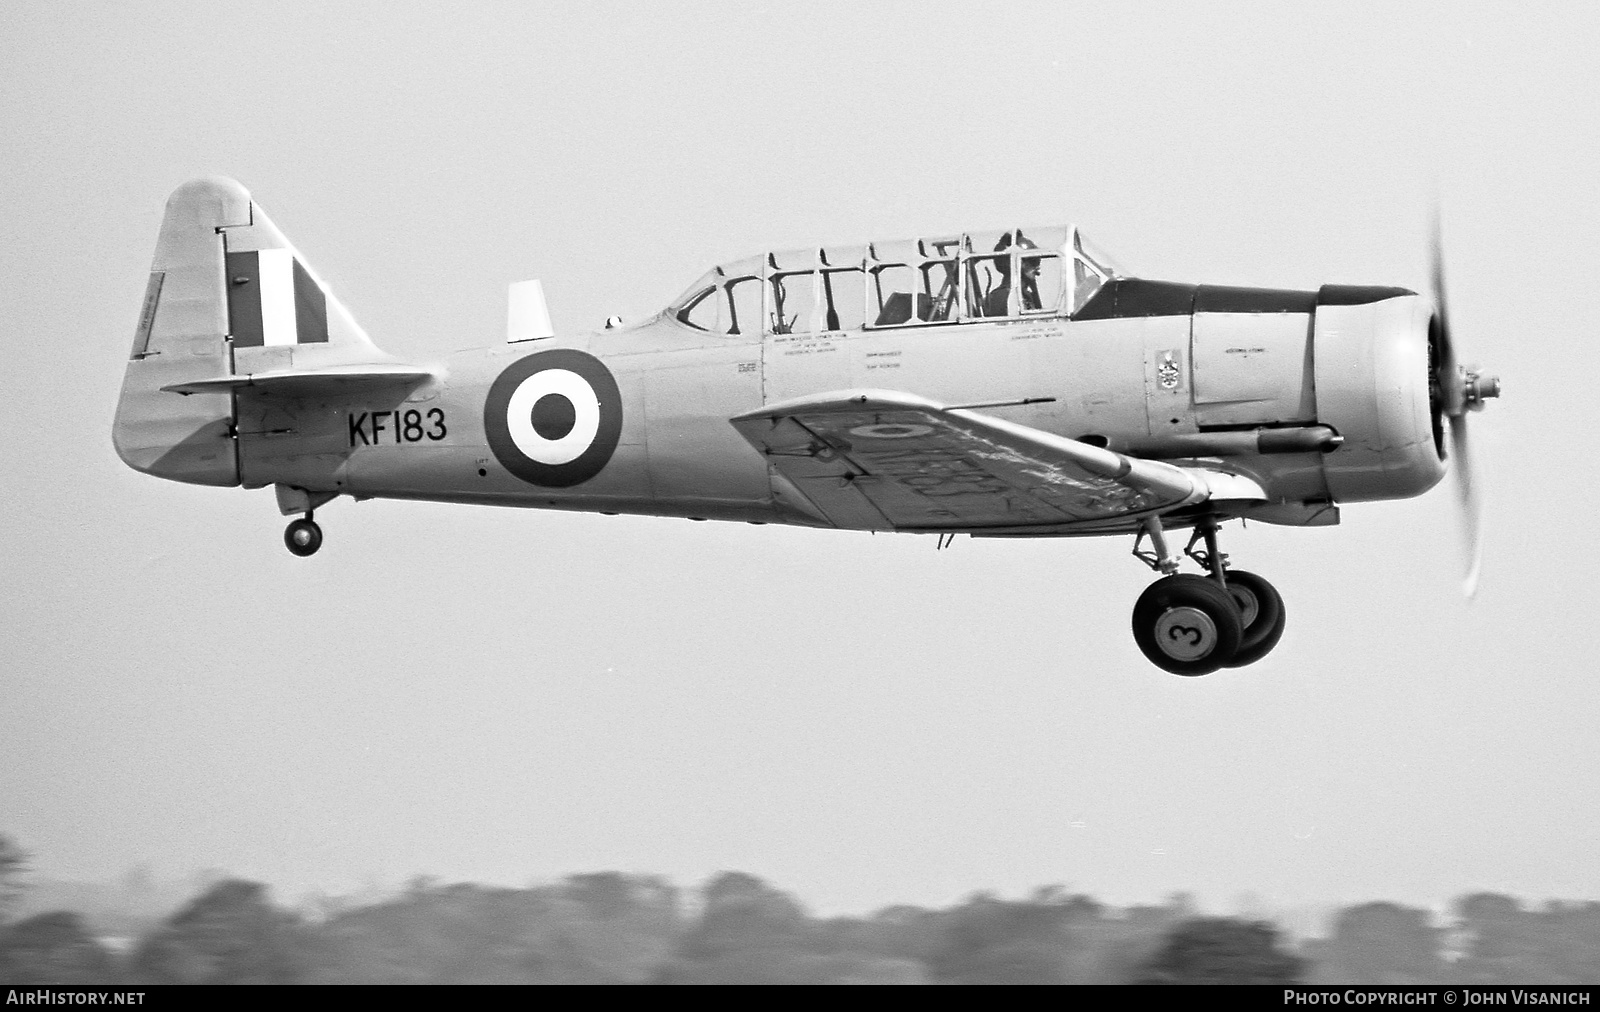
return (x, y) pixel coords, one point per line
(372, 428)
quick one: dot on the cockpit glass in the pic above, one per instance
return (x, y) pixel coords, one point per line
(693, 292)
(1098, 257)
(931, 281)
(706, 310)
(1090, 270)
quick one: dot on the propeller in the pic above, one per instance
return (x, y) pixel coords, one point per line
(1457, 389)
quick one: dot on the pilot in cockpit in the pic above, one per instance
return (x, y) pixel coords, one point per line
(996, 304)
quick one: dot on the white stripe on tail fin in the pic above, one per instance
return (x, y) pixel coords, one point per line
(279, 310)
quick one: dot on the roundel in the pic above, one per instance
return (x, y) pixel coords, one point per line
(891, 430)
(553, 418)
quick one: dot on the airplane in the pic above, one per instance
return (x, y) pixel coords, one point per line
(904, 386)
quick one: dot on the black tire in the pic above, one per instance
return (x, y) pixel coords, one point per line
(1264, 615)
(303, 537)
(1187, 625)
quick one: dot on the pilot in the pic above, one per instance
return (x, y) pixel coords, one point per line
(995, 304)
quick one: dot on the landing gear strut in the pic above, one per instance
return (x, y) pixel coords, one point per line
(303, 537)
(1193, 625)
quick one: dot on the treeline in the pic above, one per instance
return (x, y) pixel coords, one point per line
(615, 928)
(619, 929)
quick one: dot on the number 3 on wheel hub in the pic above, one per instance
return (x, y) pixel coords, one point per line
(1187, 625)
(1187, 634)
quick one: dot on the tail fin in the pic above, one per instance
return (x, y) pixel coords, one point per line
(228, 296)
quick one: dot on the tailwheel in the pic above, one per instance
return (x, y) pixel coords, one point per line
(1188, 625)
(1262, 612)
(303, 537)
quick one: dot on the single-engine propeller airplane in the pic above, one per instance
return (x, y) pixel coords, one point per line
(996, 384)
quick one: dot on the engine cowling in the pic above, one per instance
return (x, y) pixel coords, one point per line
(1372, 369)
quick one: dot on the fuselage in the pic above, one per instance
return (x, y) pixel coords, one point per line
(1171, 371)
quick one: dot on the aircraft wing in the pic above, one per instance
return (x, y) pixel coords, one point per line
(885, 460)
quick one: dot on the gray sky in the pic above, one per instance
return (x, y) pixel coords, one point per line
(503, 695)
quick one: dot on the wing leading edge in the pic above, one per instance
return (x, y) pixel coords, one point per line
(885, 460)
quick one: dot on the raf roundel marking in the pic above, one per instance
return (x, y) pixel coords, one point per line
(891, 430)
(553, 418)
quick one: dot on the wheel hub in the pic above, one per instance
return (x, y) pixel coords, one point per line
(1249, 607)
(1186, 634)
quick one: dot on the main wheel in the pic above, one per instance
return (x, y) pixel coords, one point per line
(1187, 625)
(1262, 609)
(303, 537)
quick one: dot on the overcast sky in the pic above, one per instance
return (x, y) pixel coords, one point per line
(504, 696)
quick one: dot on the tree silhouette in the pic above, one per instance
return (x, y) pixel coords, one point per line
(603, 928)
(1038, 941)
(1508, 945)
(749, 933)
(1569, 941)
(1382, 943)
(1222, 950)
(53, 948)
(230, 934)
(13, 864)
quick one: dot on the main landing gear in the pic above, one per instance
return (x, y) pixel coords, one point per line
(303, 537)
(1193, 625)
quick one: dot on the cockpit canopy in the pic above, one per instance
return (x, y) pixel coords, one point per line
(956, 279)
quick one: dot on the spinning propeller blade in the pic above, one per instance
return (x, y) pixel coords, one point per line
(1448, 372)
(1467, 500)
(1460, 390)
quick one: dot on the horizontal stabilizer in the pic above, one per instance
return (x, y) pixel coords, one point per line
(288, 381)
